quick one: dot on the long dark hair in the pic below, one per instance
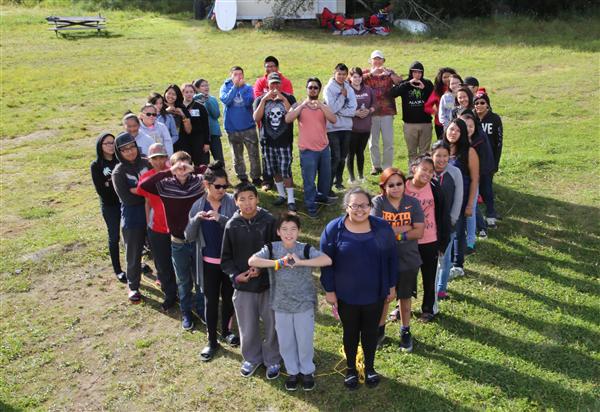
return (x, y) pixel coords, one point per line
(462, 146)
(178, 99)
(469, 94)
(153, 98)
(438, 84)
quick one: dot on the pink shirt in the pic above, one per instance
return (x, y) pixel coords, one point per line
(425, 197)
(312, 130)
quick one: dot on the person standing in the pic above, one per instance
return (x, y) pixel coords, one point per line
(158, 231)
(125, 178)
(261, 86)
(340, 98)
(164, 117)
(417, 123)
(447, 101)
(363, 276)
(246, 233)
(131, 124)
(101, 170)
(237, 98)
(277, 137)
(211, 104)
(361, 125)
(315, 154)
(440, 86)
(157, 131)
(198, 139)
(381, 79)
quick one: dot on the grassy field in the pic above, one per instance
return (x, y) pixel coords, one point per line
(522, 331)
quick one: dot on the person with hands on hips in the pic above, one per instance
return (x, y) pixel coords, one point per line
(363, 276)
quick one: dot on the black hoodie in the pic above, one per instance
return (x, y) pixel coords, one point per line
(126, 177)
(102, 170)
(413, 98)
(242, 239)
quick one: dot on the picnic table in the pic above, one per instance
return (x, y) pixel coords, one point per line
(62, 23)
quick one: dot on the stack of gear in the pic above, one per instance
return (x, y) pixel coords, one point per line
(375, 24)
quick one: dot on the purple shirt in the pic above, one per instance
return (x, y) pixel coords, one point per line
(365, 98)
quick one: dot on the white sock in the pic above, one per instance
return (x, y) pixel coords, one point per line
(290, 194)
(280, 189)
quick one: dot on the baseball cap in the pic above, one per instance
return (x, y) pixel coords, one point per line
(156, 149)
(377, 53)
(274, 78)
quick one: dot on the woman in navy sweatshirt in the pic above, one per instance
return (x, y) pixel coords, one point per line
(102, 169)
(362, 277)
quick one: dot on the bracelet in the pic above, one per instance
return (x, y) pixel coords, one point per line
(404, 236)
(279, 263)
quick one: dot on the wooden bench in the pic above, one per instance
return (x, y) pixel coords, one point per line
(64, 23)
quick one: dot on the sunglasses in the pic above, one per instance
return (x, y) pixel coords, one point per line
(220, 186)
(392, 185)
(151, 114)
(313, 87)
(480, 103)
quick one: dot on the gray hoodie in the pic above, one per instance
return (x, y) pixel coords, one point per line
(343, 107)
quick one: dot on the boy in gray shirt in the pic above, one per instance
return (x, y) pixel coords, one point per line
(293, 298)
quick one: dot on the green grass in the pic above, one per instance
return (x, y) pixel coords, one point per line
(522, 331)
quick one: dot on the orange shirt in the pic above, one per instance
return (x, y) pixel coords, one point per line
(312, 130)
(425, 197)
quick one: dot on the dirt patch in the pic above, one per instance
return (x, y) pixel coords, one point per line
(31, 137)
(40, 254)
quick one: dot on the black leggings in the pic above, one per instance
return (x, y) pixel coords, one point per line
(217, 283)
(358, 144)
(429, 256)
(360, 321)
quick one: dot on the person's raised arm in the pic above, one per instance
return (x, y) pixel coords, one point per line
(294, 112)
(259, 110)
(329, 115)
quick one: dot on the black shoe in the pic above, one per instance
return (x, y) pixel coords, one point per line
(168, 303)
(308, 382)
(257, 182)
(244, 180)
(232, 339)
(291, 383)
(376, 171)
(351, 379)
(406, 342)
(208, 352)
(340, 186)
(372, 379)
(292, 207)
(280, 201)
(470, 250)
(122, 277)
(146, 269)
(312, 214)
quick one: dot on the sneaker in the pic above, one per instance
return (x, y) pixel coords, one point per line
(292, 207)
(232, 340)
(426, 317)
(313, 213)
(267, 186)
(308, 382)
(406, 342)
(122, 277)
(352, 181)
(351, 379)
(186, 321)
(482, 234)
(279, 201)
(491, 222)
(291, 383)
(443, 295)
(470, 250)
(372, 379)
(168, 303)
(208, 352)
(376, 171)
(273, 371)
(340, 186)
(332, 196)
(134, 296)
(257, 182)
(456, 272)
(248, 369)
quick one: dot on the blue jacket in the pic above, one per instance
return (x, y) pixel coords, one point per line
(387, 258)
(237, 102)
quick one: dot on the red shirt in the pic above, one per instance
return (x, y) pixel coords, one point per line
(262, 86)
(158, 222)
(382, 86)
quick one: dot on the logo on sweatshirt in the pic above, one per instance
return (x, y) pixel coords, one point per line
(107, 171)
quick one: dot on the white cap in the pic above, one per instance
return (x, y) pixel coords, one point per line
(377, 53)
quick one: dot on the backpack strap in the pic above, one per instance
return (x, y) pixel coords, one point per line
(270, 247)
(307, 251)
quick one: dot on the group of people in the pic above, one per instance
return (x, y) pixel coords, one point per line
(157, 187)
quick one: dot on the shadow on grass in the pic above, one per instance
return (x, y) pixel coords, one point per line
(514, 385)
(8, 408)
(88, 35)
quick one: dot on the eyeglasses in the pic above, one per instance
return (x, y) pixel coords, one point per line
(151, 114)
(313, 87)
(128, 148)
(220, 186)
(363, 206)
(392, 185)
(480, 103)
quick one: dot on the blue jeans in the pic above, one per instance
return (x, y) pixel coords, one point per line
(184, 262)
(472, 224)
(487, 193)
(444, 265)
(312, 163)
